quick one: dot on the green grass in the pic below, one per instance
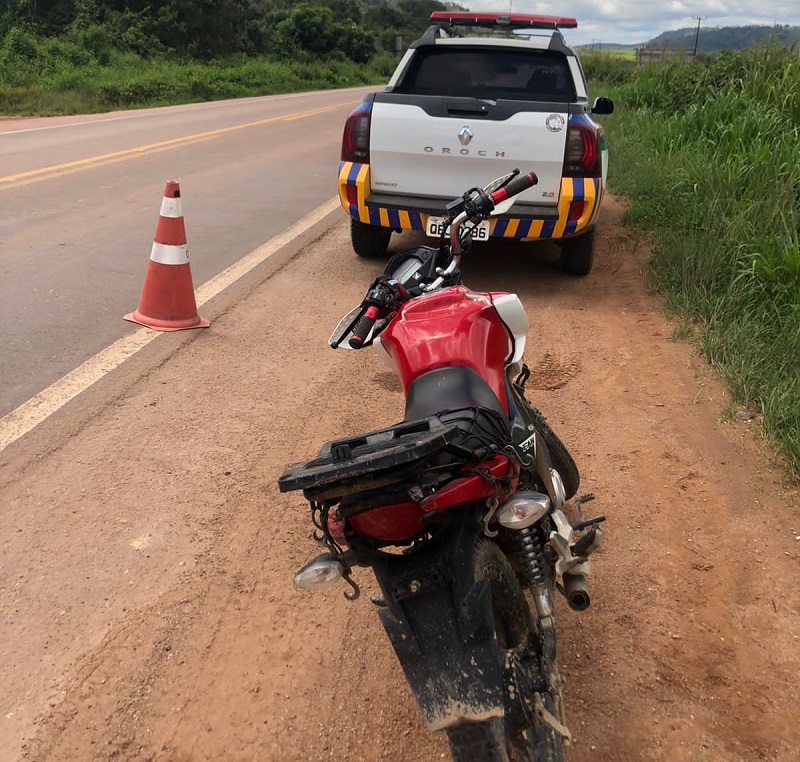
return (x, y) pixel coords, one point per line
(55, 77)
(710, 158)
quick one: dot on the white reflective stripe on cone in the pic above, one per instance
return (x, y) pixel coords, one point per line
(165, 254)
(171, 207)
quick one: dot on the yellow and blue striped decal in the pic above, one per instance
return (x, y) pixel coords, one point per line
(586, 189)
(356, 175)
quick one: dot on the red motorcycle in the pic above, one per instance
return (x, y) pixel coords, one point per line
(460, 508)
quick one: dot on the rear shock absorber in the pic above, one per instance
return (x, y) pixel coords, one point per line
(530, 554)
(532, 558)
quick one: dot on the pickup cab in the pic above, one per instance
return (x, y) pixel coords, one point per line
(461, 110)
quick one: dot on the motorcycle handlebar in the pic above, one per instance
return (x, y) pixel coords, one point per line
(363, 328)
(516, 186)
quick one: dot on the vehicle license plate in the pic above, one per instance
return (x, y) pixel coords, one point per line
(441, 225)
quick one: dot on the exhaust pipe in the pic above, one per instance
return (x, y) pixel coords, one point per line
(576, 591)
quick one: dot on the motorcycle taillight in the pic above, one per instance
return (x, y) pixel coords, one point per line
(336, 528)
(355, 140)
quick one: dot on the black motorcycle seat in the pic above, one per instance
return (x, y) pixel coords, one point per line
(451, 388)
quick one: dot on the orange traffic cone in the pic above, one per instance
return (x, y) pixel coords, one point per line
(167, 302)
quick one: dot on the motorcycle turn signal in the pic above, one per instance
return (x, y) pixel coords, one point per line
(523, 509)
(323, 571)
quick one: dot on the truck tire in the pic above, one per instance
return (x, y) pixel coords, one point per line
(369, 241)
(577, 254)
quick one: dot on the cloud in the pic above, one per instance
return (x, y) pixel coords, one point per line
(631, 21)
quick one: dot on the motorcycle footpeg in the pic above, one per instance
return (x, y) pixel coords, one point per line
(588, 523)
(588, 543)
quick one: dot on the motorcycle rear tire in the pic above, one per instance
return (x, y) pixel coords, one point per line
(495, 739)
(560, 459)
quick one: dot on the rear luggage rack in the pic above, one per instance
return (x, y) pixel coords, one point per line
(371, 460)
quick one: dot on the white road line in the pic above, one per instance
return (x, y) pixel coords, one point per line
(30, 414)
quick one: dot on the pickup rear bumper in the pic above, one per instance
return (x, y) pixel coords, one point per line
(576, 212)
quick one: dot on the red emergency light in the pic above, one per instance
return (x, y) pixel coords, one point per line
(506, 21)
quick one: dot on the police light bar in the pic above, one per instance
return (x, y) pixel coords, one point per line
(506, 21)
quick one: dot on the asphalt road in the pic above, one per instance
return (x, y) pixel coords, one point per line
(80, 197)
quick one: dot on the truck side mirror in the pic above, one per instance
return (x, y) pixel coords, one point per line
(603, 106)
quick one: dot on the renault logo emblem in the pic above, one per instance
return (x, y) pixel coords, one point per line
(465, 135)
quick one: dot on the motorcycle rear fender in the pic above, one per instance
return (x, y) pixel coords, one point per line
(441, 626)
(526, 440)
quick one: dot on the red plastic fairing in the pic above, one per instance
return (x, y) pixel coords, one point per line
(401, 521)
(469, 489)
(508, 20)
(392, 523)
(452, 327)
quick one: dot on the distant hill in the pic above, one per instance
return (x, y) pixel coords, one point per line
(606, 46)
(714, 39)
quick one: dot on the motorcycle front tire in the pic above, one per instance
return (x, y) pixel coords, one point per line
(496, 739)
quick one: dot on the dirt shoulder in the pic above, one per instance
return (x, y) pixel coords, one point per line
(147, 606)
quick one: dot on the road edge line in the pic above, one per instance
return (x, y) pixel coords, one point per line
(30, 414)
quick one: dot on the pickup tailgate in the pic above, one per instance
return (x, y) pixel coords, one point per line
(438, 147)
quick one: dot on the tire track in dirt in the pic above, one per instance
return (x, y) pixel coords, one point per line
(204, 651)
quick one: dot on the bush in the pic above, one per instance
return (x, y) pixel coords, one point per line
(708, 156)
(19, 47)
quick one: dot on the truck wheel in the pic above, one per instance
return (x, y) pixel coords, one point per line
(577, 254)
(369, 241)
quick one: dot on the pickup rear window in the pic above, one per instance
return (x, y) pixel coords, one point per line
(489, 74)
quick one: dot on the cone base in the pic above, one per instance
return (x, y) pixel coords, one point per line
(166, 325)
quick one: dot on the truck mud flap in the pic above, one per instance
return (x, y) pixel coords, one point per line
(440, 623)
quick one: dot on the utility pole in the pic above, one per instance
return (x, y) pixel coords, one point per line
(697, 36)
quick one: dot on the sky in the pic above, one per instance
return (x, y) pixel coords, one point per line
(634, 21)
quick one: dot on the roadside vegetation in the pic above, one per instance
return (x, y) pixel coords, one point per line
(709, 156)
(80, 56)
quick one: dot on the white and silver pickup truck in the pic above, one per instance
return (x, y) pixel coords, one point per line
(462, 110)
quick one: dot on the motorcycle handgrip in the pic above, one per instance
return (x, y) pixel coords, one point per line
(363, 328)
(517, 185)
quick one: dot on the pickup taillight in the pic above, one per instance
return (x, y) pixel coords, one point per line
(582, 157)
(355, 140)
